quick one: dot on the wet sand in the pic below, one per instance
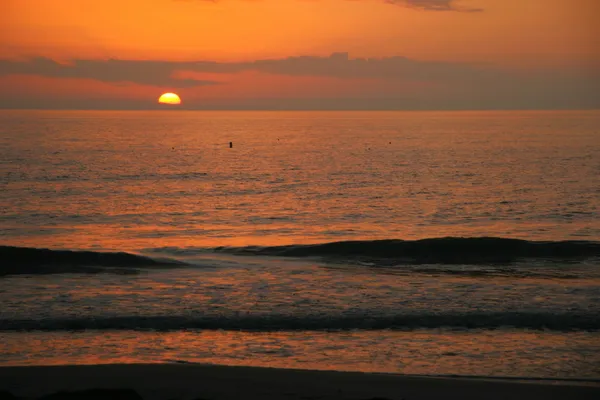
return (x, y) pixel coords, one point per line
(193, 381)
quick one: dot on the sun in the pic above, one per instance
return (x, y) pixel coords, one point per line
(169, 98)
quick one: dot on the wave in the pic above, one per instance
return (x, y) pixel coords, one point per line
(25, 260)
(389, 253)
(271, 322)
(447, 250)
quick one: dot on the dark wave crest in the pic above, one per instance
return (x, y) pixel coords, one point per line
(448, 250)
(269, 323)
(24, 260)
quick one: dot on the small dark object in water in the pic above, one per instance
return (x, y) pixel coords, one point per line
(230, 145)
(95, 394)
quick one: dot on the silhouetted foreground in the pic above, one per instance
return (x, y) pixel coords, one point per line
(99, 394)
(90, 394)
(203, 382)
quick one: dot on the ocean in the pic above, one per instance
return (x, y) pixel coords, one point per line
(428, 243)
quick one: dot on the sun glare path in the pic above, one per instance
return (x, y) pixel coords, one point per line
(169, 98)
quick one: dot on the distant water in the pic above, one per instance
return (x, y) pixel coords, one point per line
(415, 242)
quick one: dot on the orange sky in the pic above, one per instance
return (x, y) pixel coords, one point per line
(553, 40)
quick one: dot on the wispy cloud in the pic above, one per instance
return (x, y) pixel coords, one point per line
(435, 5)
(425, 5)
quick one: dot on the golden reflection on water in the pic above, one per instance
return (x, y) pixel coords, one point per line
(482, 353)
(140, 180)
(133, 181)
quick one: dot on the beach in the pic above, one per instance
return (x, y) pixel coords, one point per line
(172, 381)
(299, 200)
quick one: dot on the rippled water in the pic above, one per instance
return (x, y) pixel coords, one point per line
(140, 179)
(167, 185)
(506, 353)
(274, 294)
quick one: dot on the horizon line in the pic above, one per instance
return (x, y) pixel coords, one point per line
(181, 109)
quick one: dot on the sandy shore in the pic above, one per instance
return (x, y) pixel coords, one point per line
(181, 381)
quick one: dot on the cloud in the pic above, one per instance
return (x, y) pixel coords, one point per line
(156, 73)
(340, 65)
(376, 82)
(425, 5)
(337, 65)
(434, 5)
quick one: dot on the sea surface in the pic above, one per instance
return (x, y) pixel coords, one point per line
(436, 243)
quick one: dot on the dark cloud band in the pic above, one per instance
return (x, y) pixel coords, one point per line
(155, 73)
(163, 73)
(442, 84)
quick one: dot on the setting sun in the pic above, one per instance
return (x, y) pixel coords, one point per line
(169, 98)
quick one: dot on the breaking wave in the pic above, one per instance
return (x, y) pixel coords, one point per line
(24, 260)
(448, 250)
(390, 252)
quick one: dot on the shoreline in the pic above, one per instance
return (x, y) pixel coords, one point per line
(193, 381)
